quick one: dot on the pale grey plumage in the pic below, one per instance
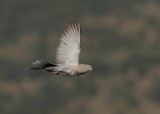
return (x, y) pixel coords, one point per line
(67, 55)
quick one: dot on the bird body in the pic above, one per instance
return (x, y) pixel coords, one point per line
(67, 56)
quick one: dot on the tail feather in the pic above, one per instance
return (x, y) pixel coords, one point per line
(41, 65)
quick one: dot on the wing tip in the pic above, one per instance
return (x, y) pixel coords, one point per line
(73, 25)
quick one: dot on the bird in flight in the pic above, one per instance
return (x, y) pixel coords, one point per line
(67, 55)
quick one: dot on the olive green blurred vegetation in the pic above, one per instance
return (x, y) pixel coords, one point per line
(120, 39)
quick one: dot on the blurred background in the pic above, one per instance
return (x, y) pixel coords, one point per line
(120, 39)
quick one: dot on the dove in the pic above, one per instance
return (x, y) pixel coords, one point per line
(67, 55)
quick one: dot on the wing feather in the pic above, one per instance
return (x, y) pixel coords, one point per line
(69, 47)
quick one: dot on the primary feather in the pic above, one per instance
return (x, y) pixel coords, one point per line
(69, 47)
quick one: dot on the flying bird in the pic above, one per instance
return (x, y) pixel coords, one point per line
(67, 55)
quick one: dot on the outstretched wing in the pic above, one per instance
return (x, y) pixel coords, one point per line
(69, 47)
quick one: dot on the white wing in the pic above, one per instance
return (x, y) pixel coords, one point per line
(69, 48)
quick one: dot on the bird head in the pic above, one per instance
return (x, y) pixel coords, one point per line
(90, 67)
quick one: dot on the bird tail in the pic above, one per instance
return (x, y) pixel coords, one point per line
(42, 65)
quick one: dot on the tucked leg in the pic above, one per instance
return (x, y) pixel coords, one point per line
(76, 73)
